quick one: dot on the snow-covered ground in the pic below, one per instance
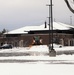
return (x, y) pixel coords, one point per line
(40, 48)
(36, 64)
(38, 54)
(35, 69)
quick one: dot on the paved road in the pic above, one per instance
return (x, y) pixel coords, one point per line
(37, 61)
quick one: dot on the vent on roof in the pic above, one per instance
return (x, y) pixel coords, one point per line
(45, 24)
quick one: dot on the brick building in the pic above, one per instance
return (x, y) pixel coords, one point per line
(62, 34)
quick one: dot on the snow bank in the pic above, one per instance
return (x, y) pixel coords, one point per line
(40, 49)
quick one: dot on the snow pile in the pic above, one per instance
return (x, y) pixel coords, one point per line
(39, 48)
(18, 49)
(56, 45)
(65, 48)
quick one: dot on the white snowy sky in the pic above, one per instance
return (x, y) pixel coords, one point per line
(18, 13)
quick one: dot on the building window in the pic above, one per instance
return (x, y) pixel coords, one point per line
(71, 42)
(65, 42)
(56, 40)
(21, 43)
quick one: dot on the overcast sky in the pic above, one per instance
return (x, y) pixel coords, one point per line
(18, 13)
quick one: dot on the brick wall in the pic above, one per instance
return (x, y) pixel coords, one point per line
(28, 38)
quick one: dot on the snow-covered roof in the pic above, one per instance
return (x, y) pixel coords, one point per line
(61, 26)
(56, 26)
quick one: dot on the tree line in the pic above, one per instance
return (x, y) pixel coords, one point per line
(2, 32)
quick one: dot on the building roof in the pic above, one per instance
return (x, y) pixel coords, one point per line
(26, 29)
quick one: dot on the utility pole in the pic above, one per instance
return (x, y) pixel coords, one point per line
(71, 20)
(49, 22)
(51, 26)
(52, 52)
